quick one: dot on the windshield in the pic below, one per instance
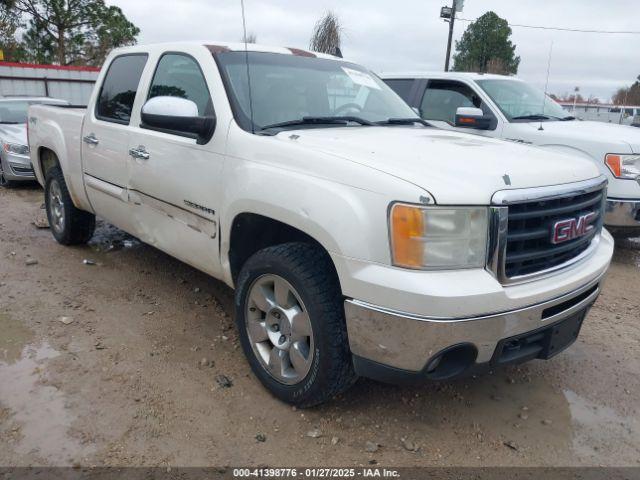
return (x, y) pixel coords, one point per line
(288, 88)
(15, 111)
(519, 99)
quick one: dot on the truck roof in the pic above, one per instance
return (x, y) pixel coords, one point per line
(219, 47)
(447, 75)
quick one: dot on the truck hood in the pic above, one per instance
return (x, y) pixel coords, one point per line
(13, 133)
(455, 168)
(578, 133)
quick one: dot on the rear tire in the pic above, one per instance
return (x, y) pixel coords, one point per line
(296, 342)
(69, 225)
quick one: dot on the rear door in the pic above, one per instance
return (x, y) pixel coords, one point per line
(440, 100)
(105, 140)
(175, 184)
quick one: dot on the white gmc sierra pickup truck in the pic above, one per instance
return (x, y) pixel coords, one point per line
(504, 107)
(359, 239)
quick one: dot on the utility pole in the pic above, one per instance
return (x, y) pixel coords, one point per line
(451, 22)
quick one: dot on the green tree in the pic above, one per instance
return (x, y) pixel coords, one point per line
(67, 32)
(485, 47)
(12, 49)
(628, 95)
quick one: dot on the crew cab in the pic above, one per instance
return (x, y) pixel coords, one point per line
(359, 239)
(508, 108)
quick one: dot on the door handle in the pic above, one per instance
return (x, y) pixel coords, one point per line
(139, 152)
(90, 139)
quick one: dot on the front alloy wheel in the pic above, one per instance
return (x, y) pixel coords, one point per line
(279, 329)
(290, 318)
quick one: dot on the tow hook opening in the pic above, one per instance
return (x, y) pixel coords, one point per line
(451, 361)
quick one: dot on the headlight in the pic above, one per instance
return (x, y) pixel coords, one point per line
(624, 166)
(16, 148)
(438, 237)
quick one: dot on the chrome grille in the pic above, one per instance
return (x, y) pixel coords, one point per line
(529, 246)
(525, 226)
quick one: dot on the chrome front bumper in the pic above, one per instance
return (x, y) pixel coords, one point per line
(622, 213)
(407, 342)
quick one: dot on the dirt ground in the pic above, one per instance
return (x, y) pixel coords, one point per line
(115, 363)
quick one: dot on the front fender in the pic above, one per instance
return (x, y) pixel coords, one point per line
(345, 220)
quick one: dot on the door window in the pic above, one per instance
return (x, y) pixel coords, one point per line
(118, 91)
(442, 98)
(402, 87)
(179, 75)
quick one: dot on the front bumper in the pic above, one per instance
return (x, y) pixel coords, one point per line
(622, 214)
(389, 345)
(16, 168)
(404, 337)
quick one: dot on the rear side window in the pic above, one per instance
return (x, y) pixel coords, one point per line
(119, 88)
(179, 75)
(402, 87)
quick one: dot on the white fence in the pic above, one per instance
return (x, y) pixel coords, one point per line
(73, 84)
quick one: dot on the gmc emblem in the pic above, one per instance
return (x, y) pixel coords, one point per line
(571, 228)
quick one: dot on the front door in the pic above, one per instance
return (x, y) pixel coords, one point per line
(442, 98)
(175, 184)
(105, 138)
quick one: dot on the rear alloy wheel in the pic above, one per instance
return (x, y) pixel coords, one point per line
(56, 208)
(69, 225)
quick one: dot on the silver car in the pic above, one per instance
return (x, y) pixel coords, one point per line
(15, 164)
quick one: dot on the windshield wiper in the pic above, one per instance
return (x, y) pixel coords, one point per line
(319, 121)
(10, 123)
(403, 121)
(567, 118)
(536, 116)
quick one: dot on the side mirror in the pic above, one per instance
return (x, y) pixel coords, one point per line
(177, 116)
(471, 117)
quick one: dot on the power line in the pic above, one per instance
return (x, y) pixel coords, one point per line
(579, 30)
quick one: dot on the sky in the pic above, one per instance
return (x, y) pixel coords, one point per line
(408, 35)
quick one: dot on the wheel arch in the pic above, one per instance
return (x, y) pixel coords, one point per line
(249, 232)
(47, 159)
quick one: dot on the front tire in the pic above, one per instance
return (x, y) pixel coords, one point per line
(290, 316)
(69, 225)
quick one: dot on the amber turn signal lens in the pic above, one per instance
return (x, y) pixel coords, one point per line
(614, 164)
(407, 230)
